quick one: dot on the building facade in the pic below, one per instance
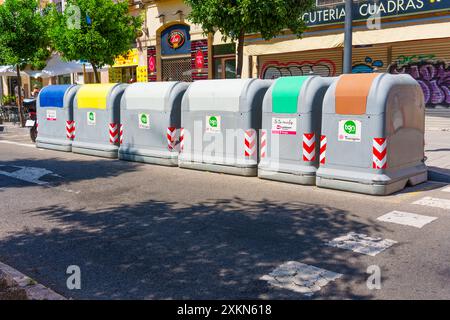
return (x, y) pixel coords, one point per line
(395, 36)
(171, 48)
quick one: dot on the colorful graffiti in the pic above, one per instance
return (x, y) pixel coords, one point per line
(368, 66)
(432, 75)
(276, 69)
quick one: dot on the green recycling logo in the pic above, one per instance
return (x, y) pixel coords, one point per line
(91, 116)
(144, 119)
(213, 122)
(350, 127)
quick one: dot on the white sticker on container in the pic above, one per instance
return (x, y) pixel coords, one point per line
(284, 126)
(51, 114)
(91, 119)
(213, 124)
(144, 121)
(349, 130)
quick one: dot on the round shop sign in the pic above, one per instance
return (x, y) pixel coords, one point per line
(176, 39)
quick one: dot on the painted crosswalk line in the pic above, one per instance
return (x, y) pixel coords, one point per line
(434, 202)
(361, 243)
(300, 277)
(407, 219)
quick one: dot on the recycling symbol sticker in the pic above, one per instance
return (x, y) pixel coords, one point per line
(144, 121)
(349, 130)
(213, 123)
(91, 118)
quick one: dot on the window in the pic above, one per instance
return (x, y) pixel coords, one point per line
(224, 61)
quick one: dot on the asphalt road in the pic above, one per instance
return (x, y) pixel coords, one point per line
(148, 232)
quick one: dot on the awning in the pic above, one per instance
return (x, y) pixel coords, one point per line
(8, 71)
(366, 37)
(294, 45)
(408, 33)
(56, 66)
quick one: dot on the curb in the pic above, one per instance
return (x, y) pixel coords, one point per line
(20, 287)
(435, 175)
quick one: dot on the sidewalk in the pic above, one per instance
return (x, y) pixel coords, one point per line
(437, 144)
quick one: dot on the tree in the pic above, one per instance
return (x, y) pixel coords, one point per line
(235, 18)
(94, 30)
(23, 39)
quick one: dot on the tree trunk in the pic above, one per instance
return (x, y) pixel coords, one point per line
(96, 78)
(240, 54)
(19, 102)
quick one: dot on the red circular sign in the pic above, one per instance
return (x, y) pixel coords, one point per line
(152, 64)
(199, 59)
(176, 39)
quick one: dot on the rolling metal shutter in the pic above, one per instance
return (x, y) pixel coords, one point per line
(370, 59)
(318, 62)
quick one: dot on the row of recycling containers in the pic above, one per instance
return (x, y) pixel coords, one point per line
(362, 133)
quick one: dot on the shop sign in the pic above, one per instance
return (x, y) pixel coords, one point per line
(199, 59)
(176, 39)
(131, 59)
(364, 10)
(152, 64)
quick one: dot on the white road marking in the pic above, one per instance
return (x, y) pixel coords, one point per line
(407, 219)
(301, 278)
(446, 189)
(33, 175)
(361, 243)
(434, 202)
(28, 174)
(18, 143)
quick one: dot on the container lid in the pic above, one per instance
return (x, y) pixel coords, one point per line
(53, 96)
(352, 91)
(221, 95)
(151, 95)
(94, 96)
(285, 94)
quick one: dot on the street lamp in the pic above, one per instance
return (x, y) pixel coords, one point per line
(348, 43)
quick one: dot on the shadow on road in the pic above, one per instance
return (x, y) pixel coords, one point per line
(217, 249)
(64, 170)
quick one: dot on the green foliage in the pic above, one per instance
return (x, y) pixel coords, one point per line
(6, 100)
(94, 30)
(232, 17)
(23, 38)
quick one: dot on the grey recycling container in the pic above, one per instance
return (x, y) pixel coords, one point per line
(372, 134)
(291, 121)
(97, 119)
(54, 109)
(151, 122)
(220, 120)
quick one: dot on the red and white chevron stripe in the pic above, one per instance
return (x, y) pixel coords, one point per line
(309, 147)
(121, 133)
(379, 152)
(263, 144)
(70, 129)
(171, 134)
(250, 142)
(323, 149)
(113, 133)
(181, 139)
